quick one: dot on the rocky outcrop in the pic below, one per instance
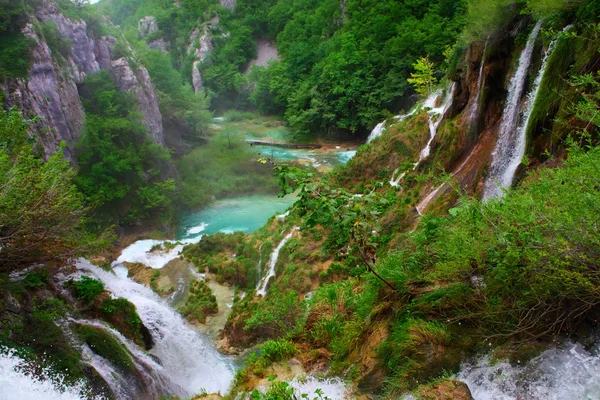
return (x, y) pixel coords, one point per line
(267, 51)
(147, 26)
(228, 4)
(448, 389)
(50, 91)
(138, 82)
(50, 94)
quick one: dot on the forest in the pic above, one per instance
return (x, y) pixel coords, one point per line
(419, 221)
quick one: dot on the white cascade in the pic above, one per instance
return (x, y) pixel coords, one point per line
(566, 372)
(188, 358)
(23, 381)
(380, 127)
(152, 375)
(474, 111)
(510, 146)
(438, 114)
(261, 288)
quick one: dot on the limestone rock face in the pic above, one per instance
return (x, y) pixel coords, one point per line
(228, 4)
(50, 90)
(147, 26)
(138, 82)
(51, 94)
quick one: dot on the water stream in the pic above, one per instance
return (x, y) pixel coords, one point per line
(261, 288)
(564, 372)
(436, 115)
(188, 359)
(510, 145)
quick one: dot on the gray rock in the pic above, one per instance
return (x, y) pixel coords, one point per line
(138, 82)
(196, 77)
(228, 4)
(159, 44)
(147, 26)
(50, 91)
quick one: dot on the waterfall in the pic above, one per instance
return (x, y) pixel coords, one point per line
(380, 127)
(22, 380)
(437, 113)
(425, 202)
(474, 111)
(187, 357)
(261, 289)
(259, 266)
(566, 372)
(510, 146)
(153, 376)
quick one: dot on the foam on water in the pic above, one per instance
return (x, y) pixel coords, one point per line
(566, 372)
(510, 145)
(332, 388)
(20, 380)
(188, 358)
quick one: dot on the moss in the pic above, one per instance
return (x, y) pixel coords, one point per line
(122, 315)
(106, 346)
(200, 304)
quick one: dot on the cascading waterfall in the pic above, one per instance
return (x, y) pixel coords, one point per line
(26, 382)
(261, 288)
(259, 265)
(380, 127)
(510, 146)
(566, 372)
(188, 358)
(153, 376)
(474, 112)
(438, 114)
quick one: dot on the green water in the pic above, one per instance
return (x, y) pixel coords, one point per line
(244, 213)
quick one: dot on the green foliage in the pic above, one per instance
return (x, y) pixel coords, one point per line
(35, 279)
(43, 214)
(486, 17)
(278, 350)
(87, 289)
(55, 41)
(423, 78)
(119, 166)
(105, 345)
(224, 167)
(547, 8)
(278, 315)
(200, 304)
(14, 55)
(15, 48)
(284, 391)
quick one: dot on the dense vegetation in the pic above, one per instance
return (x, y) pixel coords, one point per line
(121, 171)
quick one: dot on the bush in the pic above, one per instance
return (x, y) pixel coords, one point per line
(200, 303)
(87, 289)
(278, 350)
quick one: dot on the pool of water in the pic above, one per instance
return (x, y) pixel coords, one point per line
(245, 214)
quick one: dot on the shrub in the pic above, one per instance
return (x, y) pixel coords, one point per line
(87, 289)
(278, 350)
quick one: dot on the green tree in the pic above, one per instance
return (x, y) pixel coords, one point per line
(42, 214)
(423, 79)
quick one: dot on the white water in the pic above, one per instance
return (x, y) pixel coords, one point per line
(380, 127)
(332, 388)
(565, 373)
(474, 112)
(261, 288)
(188, 358)
(438, 114)
(19, 380)
(510, 146)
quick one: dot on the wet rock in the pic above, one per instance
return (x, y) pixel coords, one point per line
(445, 390)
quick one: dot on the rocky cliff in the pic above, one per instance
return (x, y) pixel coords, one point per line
(50, 91)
